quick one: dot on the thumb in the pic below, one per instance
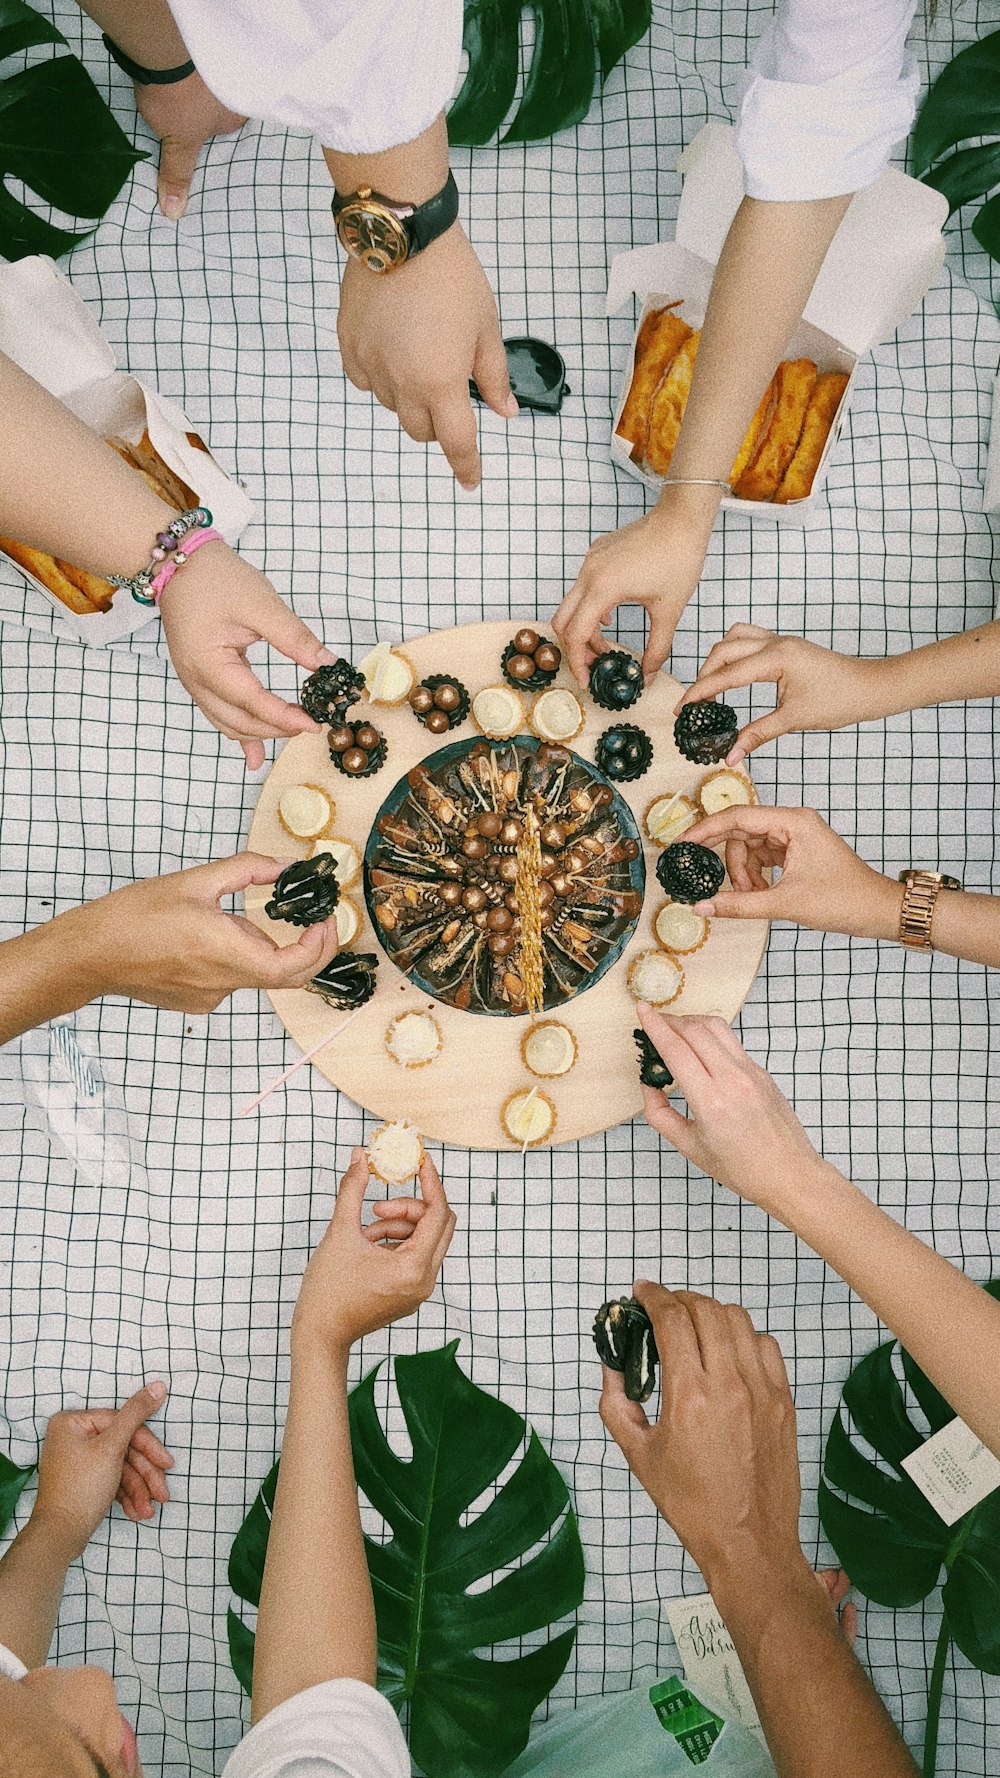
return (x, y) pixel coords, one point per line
(134, 1413)
(624, 1419)
(177, 164)
(492, 376)
(661, 637)
(734, 904)
(764, 728)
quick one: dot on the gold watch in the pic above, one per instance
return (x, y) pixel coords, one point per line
(921, 890)
(383, 234)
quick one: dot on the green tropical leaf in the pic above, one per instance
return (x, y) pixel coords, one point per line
(573, 40)
(970, 173)
(21, 27)
(986, 227)
(12, 1482)
(469, 1715)
(963, 102)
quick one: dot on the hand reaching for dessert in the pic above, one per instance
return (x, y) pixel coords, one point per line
(656, 561)
(91, 1457)
(823, 883)
(184, 115)
(416, 336)
(212, 613)
(816, 687)
(363, 1277)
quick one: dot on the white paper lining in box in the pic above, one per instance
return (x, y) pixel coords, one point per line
(49, 332)
(884, 257)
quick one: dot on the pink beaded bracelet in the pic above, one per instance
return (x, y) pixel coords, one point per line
(178, 559)
(182, 536)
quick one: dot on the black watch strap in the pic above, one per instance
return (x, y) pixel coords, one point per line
(432, 218)
(146, 76)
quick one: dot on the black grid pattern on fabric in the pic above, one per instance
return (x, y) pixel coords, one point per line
(150, 1230)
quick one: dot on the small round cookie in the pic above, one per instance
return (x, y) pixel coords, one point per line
(679, 929)
(305, 811)
(345, 855)
(413, 1039)
(657, 977)
(396, 1152)
(347, 918)
(725, 789)
(668, 816)
(388, 675)
(498, 712)
(556, 715)
(548, 1049)
(528, 1117)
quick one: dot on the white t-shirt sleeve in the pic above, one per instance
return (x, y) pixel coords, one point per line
(342, 1729)
(361, 75)
(10, 1666)
(830, 92)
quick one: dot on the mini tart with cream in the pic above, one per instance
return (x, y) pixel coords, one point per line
(396, 1152)
(725, 789)
(388, 675)
(498, 712)
(345, 855)
(556, 715)
(548, 1049)
(347, 919)
(679, 929)
(657, 977)
(528, 1117)
(413, 1039)
(305, 811)
(668, 817)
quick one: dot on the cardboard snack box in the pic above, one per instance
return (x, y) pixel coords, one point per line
(49, 332)
(884, 257)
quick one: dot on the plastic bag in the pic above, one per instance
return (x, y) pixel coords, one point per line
(621, 1736)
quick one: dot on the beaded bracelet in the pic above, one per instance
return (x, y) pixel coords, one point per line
(194, 528)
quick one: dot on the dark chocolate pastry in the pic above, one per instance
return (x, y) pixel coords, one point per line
(616, 680)
(440, 702)
(348, 981)
(306, 891)
(706, 731)
(624, 752)
(653, 1070)
(623, 1335)
(530, 662)
(357, 749)
(688, 872)
(329, 692)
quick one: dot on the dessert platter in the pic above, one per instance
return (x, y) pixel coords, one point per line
(504, 859)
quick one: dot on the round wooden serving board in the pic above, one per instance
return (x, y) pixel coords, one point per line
(457, 1097)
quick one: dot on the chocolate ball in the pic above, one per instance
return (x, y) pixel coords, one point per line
(447, 697)
(499, 920)
(546, 919)
(510, 833)
(354, 760)
(507, 871)
(526, 641)
(548, 658)
(561, 884)
(421, 699)
(545, 894)
(576, 861)
(339, 739)
(553, 835)
(489, 825)
(450, 894)
(474, 847)
(549, 864)
(474, 899)
(437, 722)
(501, 944)
(520, 666)
(367, 737)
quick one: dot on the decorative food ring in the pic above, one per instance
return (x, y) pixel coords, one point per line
(456, 1075)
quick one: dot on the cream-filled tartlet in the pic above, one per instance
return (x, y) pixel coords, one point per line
(725, 789)
(528, 1117)
(347, 919)
(556, 715)
(346, 858)
(657, 977)
(679, 929)
(395, 1153)
(413, 1039)
(548, 1049)
(498, 712)
(668, 817)
(305, 811)
(388, 675)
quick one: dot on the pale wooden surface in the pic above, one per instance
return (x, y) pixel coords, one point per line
(457, 1097)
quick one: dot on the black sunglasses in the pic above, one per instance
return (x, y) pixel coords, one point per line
(537, 375)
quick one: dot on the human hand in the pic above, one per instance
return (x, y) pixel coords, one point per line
(361, 1278)
(184, 115)
(741, 1130)
(816, 688)
(656, 561)
(823, 882)
(721, 1462)
(93, 1456)
(212, 611)
(415, 336)
(167, 942)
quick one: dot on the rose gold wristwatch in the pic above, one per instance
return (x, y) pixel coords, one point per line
(922, 888)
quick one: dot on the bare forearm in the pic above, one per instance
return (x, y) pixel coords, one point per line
(945, 1321)
(960, 667)
(63, 490)
(411, 173)
(144, 29)
(32, 1578)
(317, 1617)
(963, 924)
(819, 1710)
(45, 973)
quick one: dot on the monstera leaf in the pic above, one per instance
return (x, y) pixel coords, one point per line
(57, 137)
(893, 1545)
(12, 1481)
(572, 39)
(469, 1715)
(962, 105)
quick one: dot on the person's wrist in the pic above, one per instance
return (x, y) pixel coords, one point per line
(753, 1588)
(882, 908)
(690, 503)
(315, 1341)
(56, 1530)
(877, 689)
(796, 1191)
(198, 578)
(88, 957)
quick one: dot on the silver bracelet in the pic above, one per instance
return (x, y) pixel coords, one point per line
(695, 481)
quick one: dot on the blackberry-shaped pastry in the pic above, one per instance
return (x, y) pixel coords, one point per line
(328, 693)
(357, 749)
(347, 981)
(439, 702)
(530, 662)
(623, 1335)
(616, 680)
(706, 731)
(689, 872)
(624, 753)
(306, 892)
(653, 1070)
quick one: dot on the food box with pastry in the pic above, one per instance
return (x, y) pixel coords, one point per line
(51, 334)
(884, 257)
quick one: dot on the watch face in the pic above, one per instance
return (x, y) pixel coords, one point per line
(370, 232)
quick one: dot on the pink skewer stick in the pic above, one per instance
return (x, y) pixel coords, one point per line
(275, 1084)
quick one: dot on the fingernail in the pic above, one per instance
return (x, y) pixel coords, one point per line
(511, 406)
(469, 487)
(173, 205)
(325, 658)
(157, 1390)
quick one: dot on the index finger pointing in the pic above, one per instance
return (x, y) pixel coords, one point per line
(455, 430)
